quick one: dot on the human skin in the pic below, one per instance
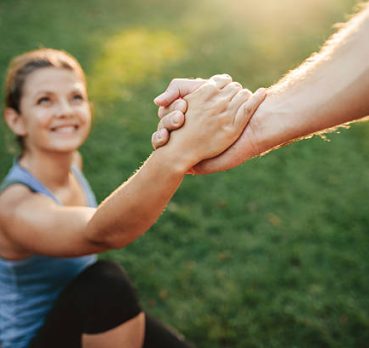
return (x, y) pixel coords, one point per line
(328, 90)
(55, 120)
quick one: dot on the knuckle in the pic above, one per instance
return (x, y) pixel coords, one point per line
(222, 77)
(248, 108)
(243, 95)
(247, 92)
(179, 104)
(177, 118)
(224, 101)
(210, 88)
(235, 85)
(161, 124)
(229, 128)
(175, 83)
(154, 142)
(162, 111)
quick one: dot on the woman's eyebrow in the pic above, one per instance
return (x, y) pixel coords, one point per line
(42, 92)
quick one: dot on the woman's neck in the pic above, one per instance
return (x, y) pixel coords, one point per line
(52, 169)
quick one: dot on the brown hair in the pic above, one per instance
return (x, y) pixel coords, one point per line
(23, 65)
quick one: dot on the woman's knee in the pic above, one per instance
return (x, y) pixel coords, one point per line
(109, 297)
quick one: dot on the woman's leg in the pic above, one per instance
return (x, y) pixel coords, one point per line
(100, 299)
(127, 335)
(99, 309)
(158, 335)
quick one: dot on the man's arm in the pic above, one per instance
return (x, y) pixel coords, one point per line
(329, 89)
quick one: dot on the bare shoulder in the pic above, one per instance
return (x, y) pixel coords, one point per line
(32, 223)
(11, 198)
(16, 202)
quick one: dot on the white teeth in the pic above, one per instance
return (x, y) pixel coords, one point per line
(64, 129)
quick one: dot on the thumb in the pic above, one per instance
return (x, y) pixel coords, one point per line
(167, 97)
(246, 111)
(176, 89)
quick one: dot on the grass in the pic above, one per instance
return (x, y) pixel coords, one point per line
(270, 254)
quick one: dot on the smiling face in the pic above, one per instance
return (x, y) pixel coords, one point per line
(54, 111)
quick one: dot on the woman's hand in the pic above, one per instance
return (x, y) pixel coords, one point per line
(173, 118)
(217, 112)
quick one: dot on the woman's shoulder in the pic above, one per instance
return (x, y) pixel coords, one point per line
(15, 197)
(12, 192)
(12, 199)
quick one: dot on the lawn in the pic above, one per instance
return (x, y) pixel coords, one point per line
(273, 253)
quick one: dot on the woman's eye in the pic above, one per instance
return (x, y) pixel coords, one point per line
(78, 97)
(43, 101)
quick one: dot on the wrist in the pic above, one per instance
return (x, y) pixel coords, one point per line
(277, 121)
(177, 162)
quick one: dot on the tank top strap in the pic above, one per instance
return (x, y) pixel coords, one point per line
(20, 175)
(91, 199)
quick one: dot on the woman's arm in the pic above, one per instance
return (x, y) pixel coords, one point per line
(31, 223)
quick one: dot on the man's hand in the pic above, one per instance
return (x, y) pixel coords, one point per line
(328, 90)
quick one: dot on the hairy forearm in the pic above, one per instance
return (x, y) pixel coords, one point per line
(136, 205)
(331, 88)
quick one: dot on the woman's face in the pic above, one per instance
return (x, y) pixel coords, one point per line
(55, 110)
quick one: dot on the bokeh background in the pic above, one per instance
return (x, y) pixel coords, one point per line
(273, 253)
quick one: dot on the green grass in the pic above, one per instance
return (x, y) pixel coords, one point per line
(270, 254)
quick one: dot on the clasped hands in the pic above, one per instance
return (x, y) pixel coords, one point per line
(186, 98)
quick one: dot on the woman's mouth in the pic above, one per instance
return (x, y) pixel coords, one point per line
(65, 129)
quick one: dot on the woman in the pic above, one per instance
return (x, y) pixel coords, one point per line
(53, 292)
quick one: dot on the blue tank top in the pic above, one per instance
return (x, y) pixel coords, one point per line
(29, 287)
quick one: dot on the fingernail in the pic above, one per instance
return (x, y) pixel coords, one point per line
(161, 134)
(176, 118)
(158, 99)
(177, 103)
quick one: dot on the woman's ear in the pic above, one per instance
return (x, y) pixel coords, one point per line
(15, 121)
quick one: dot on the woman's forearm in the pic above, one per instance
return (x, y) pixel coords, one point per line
(136, 205)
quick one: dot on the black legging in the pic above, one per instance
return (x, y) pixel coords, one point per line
(99, 299)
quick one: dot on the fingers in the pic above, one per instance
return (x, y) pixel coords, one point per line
(214, 86)
(168, 123)
(182, 87)
(178, 88)
(248, 108)
(159, 138)
(172, 121)
(231, 91)
(179, 104)
(239, 98)
(220, 80)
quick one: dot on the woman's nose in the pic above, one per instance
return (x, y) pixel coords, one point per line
(64, 109)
